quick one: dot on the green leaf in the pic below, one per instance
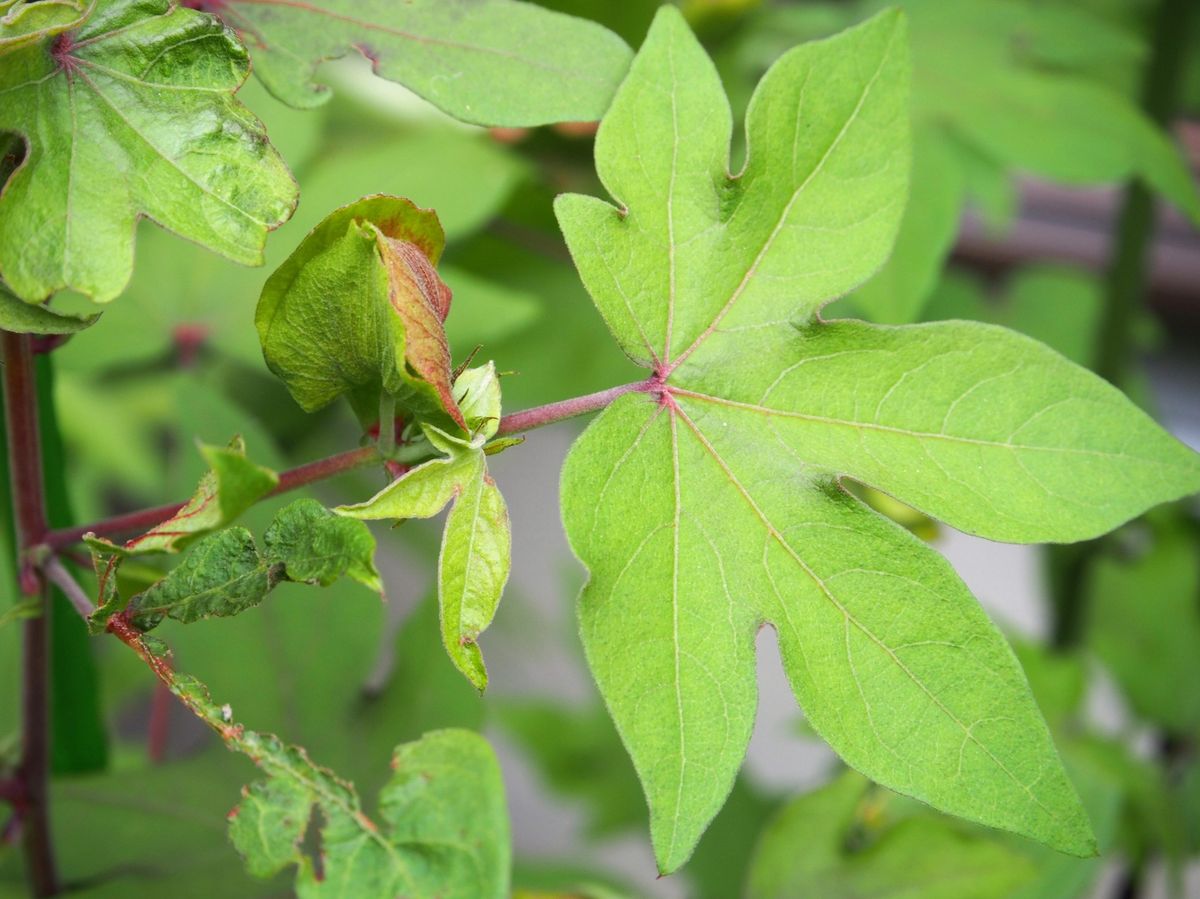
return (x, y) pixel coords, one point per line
(495, 62)
(443, 822)
(357, 310)
(476, 550)
(1145, 627)
(145, 87)
(24, 22)
(225, 574)
(33, 318)
(711, 504)
(231, 486)
(838, 843)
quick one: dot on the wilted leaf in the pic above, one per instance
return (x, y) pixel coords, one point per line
(141, 86)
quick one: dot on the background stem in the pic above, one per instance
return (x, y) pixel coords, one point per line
(29, 512)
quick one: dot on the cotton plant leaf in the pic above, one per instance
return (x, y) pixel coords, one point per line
(839, 842)
(710, 503)
(140, 86)
(23, 22)
(476, 552)
(442, 825)
(357, 311)
(495, 62)
(231, 485)
(225, 573)
(34, 318)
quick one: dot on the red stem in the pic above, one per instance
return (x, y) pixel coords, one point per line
(144, 519)
(29, 513)
(579, 405)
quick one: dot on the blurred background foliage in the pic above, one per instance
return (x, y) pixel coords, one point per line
(1034, 124)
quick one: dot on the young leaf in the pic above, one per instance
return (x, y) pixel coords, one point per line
(34, 318)
(443, 823)
(495, 62)
(476, 544)
(711, 504)
(141, 86)
(357, 310)
(231, 486)
(225, 574)
(838, 843)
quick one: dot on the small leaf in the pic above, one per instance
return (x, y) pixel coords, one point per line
(231, 486)
(222, 576)
(315, 546)
(357, 310)
(472, 571)
(141, 86)
(494, 62)
(33, 318)
(476, 549)
(225, 574)
(837, 843)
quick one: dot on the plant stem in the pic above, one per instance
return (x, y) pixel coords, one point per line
(144, 519)
(58, 575)
(29, 512)
(1069, 565)
(387, 425)
(541, 416)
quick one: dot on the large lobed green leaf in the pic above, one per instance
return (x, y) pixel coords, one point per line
(491, 62)
(131, 114)
(711, 504)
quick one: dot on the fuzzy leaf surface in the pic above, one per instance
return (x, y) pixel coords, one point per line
(131, 115)
(711, 504)
(357, 310)
(476, 552)
(495, 62)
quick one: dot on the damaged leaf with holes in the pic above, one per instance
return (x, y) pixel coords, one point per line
(474, 562)
(441, 826)
(139, 86)
(358, 310)
(713, 503)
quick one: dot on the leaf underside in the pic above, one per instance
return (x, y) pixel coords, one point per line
(490, 62)
(131, 114)
(712, 504)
